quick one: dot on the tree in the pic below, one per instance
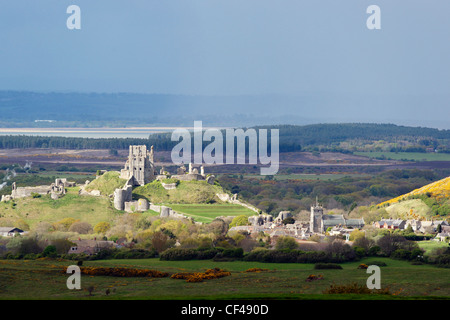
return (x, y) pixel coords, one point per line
(390, 243)
(288, 220)
(241, 220)
(160, 241)
(286, 242)
(64, 224)
(409, 229)
(62, 245)
(81, 227)
(102, 227)
(341, 250)
(49, 251)
(364, 243)
(356, 234)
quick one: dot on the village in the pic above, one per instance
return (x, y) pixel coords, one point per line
(139, 170)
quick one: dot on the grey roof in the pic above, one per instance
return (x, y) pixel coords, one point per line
(333, 217)
(354, 222)
(10, 229)
(393, 222)
(333, 220)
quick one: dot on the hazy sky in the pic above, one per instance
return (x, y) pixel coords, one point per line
(232, 47)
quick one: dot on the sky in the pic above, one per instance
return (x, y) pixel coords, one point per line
(321, 50)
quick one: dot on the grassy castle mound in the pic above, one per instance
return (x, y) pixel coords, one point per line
(186, 192)
(106, 183)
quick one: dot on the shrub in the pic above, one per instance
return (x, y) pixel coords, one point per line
(102, 227)
(49, 251)
(81, 227)
(200, 276)
(286, 242)
(135, 254)
(176, 254)
(377, 263)
(292, 256)
(313, 277)
(256, 270)
(206, 254)
(373, 251)
(360, 252)
(348, 288)
(229, 254)
(327, 266)
(30, 256)
(121, 272)
(241, 220)
(401, 254)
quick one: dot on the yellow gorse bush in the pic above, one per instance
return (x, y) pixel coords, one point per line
(439, 189)
(121, 272)
(200, 276)
(256, 270)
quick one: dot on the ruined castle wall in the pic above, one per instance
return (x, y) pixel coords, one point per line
(23, 192)
(189, 177)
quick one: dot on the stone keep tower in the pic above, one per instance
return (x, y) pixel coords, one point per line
(139, 165)
(315, 223)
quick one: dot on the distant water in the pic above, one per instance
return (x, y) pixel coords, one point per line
(86, 132)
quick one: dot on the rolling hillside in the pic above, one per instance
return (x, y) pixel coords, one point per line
(428, 201)
(439, 190)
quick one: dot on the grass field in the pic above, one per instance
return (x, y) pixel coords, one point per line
(41, 279)
(208, 212)
(33, 210)
(414, 156)
(431, 245)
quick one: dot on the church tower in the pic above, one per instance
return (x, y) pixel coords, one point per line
(315, 223)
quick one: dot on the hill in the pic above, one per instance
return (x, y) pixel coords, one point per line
(28, 212)
(440, 190)
(430, 200)
(106, 183)
(186, 192)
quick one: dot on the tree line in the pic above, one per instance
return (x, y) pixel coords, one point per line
(292, 138)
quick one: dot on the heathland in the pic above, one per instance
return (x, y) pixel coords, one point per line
(324, 163)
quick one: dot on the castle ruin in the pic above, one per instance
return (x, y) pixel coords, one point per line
(140, 170)
(55, 190)
(139, 166)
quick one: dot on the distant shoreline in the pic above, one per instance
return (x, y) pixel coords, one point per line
(100, 129)
(99, 132)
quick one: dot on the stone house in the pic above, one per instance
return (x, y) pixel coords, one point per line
(90, 247)
(392, 224)
(10, 231)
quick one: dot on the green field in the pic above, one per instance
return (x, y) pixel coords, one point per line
(208, 212)
(43, 279)
(414, 156)
(431, 245)
(33, 210)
